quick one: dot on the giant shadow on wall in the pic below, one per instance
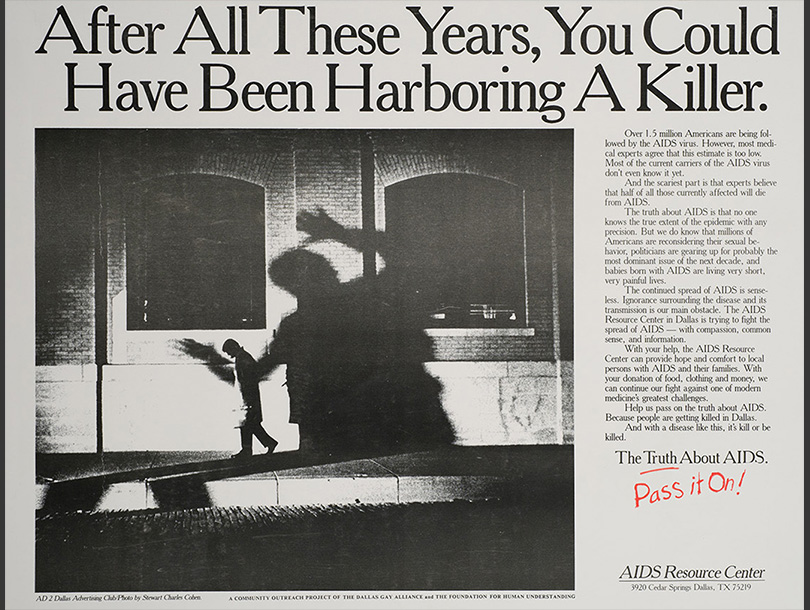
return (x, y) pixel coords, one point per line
(355, 356)
(355, 359)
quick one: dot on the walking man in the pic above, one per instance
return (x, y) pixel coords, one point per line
(247, 376)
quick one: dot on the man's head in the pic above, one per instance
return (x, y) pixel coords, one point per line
(231, 347)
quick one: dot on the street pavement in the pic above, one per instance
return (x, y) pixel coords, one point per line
(513, 533)
(172, 481)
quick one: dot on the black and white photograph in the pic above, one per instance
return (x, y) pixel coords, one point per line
(304, 360)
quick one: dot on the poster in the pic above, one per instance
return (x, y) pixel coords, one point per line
(512, 297)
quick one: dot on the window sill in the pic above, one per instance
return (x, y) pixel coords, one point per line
(480, 332)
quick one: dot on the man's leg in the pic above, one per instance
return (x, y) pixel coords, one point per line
(246, 438)
(265, 439)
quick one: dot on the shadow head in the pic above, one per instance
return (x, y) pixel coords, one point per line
(302, 272)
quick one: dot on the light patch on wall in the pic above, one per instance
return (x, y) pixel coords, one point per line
(347, 261)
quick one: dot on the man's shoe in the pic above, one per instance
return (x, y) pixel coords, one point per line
(242, 454)
(271, 447)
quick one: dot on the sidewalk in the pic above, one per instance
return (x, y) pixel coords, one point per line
(174, 481)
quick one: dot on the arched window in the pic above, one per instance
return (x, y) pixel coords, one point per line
(195, 254)
(457, 243)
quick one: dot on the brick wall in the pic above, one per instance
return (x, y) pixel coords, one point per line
(66, 217)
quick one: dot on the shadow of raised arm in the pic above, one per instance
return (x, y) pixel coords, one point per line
(319, 226)
(218, 364)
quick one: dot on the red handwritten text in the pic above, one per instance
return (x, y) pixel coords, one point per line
(677, 489)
